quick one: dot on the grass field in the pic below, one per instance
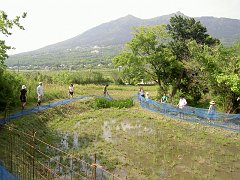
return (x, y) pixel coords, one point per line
(134, 142)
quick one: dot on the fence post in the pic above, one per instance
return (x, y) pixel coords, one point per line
(33, 154)
(6, 112)
(95, 167)
(11, 150)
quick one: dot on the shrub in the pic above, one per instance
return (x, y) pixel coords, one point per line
(105, 103)
(10, 85)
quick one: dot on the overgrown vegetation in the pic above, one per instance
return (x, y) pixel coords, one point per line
(8, 82)
(182, 57)
(138, 143)
(105, 103)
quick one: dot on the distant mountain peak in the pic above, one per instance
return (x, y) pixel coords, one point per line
(179, 13)
(130, 16)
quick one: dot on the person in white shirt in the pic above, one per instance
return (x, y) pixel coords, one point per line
(181, 104)
(70, 90)
(147, 96)
(39, 93)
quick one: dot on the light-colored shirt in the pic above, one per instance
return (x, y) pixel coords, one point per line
(141, 92)
(182, 103)
(40, 90)
(147, 96)
(211, 109)
(70, 88)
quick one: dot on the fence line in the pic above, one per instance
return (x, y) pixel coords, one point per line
(28, 157)
(197, 115)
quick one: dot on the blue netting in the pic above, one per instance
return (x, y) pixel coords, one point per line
(43, 107)
(37, 109)
(198, 115)
(5, 175)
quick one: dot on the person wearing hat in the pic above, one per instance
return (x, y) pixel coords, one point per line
(70, 90)
(39, 93)
(211, 111)
(23, 98)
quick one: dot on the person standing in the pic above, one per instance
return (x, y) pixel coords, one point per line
(164, 98)
(141, 92)
(39, 93)
(147, 96)
(181, 104)
(23, 98)
(211, 111)
(105, 91)
(70, 90)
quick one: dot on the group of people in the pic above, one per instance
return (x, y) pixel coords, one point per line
(23, 94)
(181, 104)
(142, 93)
(146, 95)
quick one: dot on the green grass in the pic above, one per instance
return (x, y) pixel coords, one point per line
(139, 143)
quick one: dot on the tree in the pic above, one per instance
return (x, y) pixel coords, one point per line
(8, 82)
(219, 70)
(147, 55)
(5, 26)
(183, 30)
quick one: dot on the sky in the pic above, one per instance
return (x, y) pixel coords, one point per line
(52, 21)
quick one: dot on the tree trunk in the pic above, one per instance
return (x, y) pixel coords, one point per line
(159, 84)
(175, 88)
(234, 105)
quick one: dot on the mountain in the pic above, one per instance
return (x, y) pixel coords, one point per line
(99, 44)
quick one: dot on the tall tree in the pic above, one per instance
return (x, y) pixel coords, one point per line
(147, 54)
(219, 70)
(183, 30)
(8, 82)
(5, 26)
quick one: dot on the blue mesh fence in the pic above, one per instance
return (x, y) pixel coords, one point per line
(37, 109)
(5, 175)
(198, 115)
(44, 107)
(192, 114)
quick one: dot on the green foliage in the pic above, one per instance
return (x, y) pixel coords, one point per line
(10, 84)
(87, 77)
(132, 71)
(5, 26)
(183, 30)
(148, 57)
(117, 77)
(219, 70)
(105, 103)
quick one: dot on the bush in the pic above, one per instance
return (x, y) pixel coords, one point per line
(105, 103)
(86, 77)
(10, 84)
